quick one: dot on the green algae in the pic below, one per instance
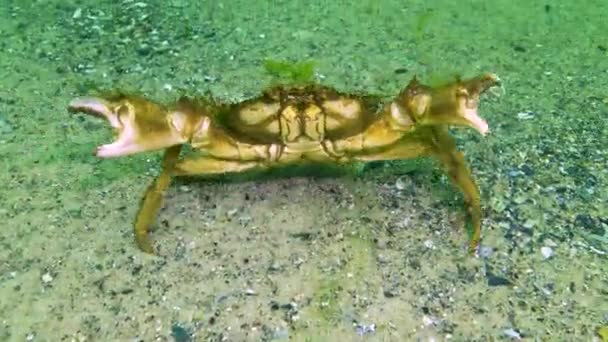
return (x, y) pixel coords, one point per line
(293, 72)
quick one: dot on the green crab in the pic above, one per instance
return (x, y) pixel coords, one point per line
(294, 124)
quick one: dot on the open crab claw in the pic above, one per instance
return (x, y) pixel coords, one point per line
(452, 104)
(468, 94)
(139, 125)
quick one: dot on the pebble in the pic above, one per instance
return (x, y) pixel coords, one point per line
(77, 13)
(430, 321)
(512, 334)
(180, 334)
(527, 170)
(399, 184)
(383, 259)
(494, 280)
(486, 252)
(525, 115)
(47, 278)
(363, 329)
(550, 243)
(546, 251)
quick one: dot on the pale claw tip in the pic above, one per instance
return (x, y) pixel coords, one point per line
(90, 105)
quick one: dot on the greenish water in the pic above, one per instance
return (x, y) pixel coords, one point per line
(375, 253)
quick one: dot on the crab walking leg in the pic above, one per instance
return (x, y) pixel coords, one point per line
(152, 200)
(403, 149)
(209, 166)
(441, 146)
(455, 164)
(171, 166)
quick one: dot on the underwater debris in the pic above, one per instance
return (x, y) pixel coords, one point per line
(365, 329)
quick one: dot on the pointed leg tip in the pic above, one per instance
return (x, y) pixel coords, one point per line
(145, 245)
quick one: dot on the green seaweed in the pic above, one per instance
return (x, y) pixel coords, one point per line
(418, 31)
(296, 72)
(421, 24)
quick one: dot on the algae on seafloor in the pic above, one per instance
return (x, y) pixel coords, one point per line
(332, 291)
(295, 72)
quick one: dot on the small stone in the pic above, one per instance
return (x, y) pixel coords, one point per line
(527, 170)
(529, 224)
(519, 199)
(486, 252)
(550, 243)
(390, 292)
(47, 278)
(512, 333)
(363, 329)
(525, 115)
(428, 321)
(180, 334)
(274, 267)
(546, 251)
(514, 173)
(250, 292)
(383, 259)
(494, 280)
(399, 184)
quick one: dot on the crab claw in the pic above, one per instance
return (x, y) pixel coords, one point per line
(140, 125)
(452, 104)
(468, 93)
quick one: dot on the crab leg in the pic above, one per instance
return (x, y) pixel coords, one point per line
(403, 149)
(455, 164)
(441, 146)
(152, 199)
(209, 166)
(171, 166)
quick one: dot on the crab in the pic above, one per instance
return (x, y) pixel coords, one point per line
(288, 124)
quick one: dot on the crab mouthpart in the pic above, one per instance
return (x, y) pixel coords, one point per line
(126, 135)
